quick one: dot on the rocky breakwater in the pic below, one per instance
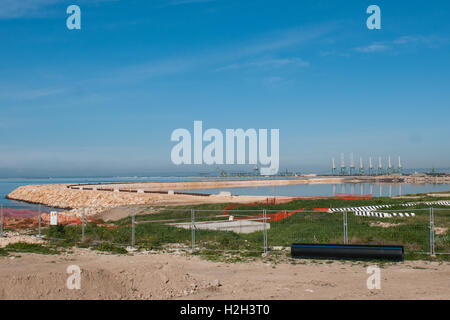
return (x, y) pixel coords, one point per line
(59, 195)
(62, 197)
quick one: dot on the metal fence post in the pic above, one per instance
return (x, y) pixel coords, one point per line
(1, 222)
(432, 253)
(265, 231)
(82, 224)
(344, 225)
(133, 228)
(39, 219)
(193, 229)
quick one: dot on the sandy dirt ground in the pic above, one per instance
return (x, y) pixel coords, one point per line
(147, 275)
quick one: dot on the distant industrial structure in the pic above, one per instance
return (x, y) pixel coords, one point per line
(343, 168)
(422, 178)
(255, 172)
(361, 166)
(333, 169)
(352, 165)
(390, 169)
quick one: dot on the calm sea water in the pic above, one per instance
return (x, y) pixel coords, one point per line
(8, 185)
(377, 190)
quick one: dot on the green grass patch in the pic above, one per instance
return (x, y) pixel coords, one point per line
(228, 256)
(30, 248)
(3, 252)
(108, 247)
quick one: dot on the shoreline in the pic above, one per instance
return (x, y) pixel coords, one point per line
(59, 196)
(243, 182)
(162, 193)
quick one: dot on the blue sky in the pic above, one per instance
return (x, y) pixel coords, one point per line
(105, 99)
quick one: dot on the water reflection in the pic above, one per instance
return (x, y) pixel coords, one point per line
(309, 190)
(393, 189)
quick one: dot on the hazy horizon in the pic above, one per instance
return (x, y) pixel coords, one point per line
(194, 172)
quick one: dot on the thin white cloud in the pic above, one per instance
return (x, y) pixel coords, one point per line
(246, 53)
(283, 39)
(374, 47)
(181, 2)
(10, 9)
(273, 80)
(266, 63)
(266, 44)
(430, 41)
(30, 94)
(333, 52)
(13, 9)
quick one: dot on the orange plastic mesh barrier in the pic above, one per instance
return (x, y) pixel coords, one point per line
(278, 216)
(23, 218)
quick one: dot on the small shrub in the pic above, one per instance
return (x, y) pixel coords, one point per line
(57, 231)
(108, 247)
(3, 252)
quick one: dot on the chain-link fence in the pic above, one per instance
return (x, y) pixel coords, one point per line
(232, 230)
(441, 226)
(409, 228)
(244, 231)
(29, 221)
(287, 227)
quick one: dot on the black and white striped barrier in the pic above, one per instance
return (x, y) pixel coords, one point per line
(384, 214)
(385, 206)
(366, 208)
(441, 203)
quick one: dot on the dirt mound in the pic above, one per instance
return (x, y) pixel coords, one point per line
(103, 277)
